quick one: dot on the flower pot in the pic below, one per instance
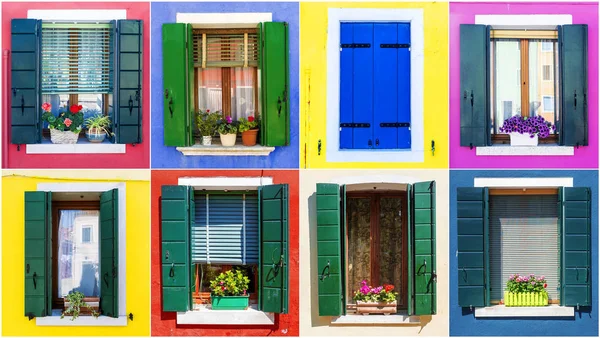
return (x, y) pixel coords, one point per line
(229, 302)
(63, 137)
(249, 137)
(206, 140)
(93, 302)
(366, 308)
(525, 299)
(95, 135)
(517, 139)
(228, 140)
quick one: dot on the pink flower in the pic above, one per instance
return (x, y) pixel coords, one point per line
(229, 120)
(46, 106)
(68, 122)
(221, 283)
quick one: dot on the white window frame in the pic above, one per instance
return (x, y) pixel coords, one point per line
(413, 16)
(121, 320)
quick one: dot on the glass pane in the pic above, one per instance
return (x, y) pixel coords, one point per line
(390, 243)
(59, 102)
(210, 88)
(78, 268)
(242, 92)
(542, 80)
(359, 244)
(93, 104)
(507, 75)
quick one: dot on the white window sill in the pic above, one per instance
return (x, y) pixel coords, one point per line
(534, 311)
(540, 150)
(376, 155)
(376, 319)
(216, 149)
(55, 320)
(83, 146)
(203, 315)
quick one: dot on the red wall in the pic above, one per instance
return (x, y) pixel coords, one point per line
(165, 324)
(136, 156)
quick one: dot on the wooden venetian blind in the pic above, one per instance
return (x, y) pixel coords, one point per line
(226, 48)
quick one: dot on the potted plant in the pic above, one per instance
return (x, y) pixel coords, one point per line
(526, 291)
(525, 131)
(381, 299)
(207, 125)
(229, 291)
(249, 129)
(64, 128)
(227, 131)
(97, 128)
(76, 305)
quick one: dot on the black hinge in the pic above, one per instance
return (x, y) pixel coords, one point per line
(395, 45)
(130, 316)
(355, 125)
(394, 124)
(319, 148)
(355, 45)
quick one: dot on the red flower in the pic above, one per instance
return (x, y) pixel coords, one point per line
(68, 122)
(250, 118)
(75, 108)
(388, 287)
(545, 285)
(208, 110)
(46, 106)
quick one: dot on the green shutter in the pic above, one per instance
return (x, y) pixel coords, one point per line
(474, 86)
(573, 51)
(329, 250)
(410, 285)
(25, 97)
(177, 84)
(109, 253)
(273, 54)
(472, 228)
(177, 205)
(273, 256)
(422, 228)
(38, 254)
(576, 253)
(128, 81)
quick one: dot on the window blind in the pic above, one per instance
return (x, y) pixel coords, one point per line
(76, 58)
(524, 239)
(225, 50)
(225, 229)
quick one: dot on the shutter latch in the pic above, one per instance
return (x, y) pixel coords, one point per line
(323, 273)
(319, 148)
(131, 316)
(432, 147)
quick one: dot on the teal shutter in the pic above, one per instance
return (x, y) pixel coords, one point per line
(128, 81)
(573, 51)
(475, 127)
(25, 96)
(273, 256)
(273, 57)
(109, 253)
(38, 254)
(177, 205)
(472, 227)
(177, 83)
(329, 250)
(576, 253)
(422, 228)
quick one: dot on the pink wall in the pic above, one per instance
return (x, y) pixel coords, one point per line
(582, 13)
(136, 156)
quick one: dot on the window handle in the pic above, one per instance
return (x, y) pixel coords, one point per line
(323, 274)
(170, 98)
(464, 274)
(130, 105)
(35, 280)
(22, 105)
(105, 278)
(27, 268)
(172, 271)
(575, 98)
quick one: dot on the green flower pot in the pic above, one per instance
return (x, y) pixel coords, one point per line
(525, 299)
(229, 302)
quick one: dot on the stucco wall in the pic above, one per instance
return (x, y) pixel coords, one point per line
(310, 322)
(165, 323)
(169, 157)
(14, 185)
(137, 156)
(313, 97)
(582, 13)
(463, 322)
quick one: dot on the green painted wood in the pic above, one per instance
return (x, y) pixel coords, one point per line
(38, 254)
(472, 205)
(576, 254)
(573, 51)
(410, 297)
(274, 257)
(177, 206)
(176, 84)
(25, 69)
(474, 85)
(109, 253)
(274, 70)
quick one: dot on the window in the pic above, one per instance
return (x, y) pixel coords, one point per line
(547, 46)
(548, 104)
(86, 234)
(548, 73)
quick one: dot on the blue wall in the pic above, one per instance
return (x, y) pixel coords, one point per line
(169, 157)
(465, 324)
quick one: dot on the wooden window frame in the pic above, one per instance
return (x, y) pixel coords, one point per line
(375, 198)
(57, 206)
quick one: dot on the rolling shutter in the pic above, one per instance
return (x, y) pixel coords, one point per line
(109, 253)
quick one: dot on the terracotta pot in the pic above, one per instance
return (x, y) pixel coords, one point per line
(249, 137)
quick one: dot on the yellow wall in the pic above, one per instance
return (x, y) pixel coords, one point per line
(313, 89)
(14, 184)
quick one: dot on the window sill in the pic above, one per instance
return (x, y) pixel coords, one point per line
(396, 319)
(216, 149)
(540, 150)
(203, 315)
(83, 146)
(541, 311)
(55, 320)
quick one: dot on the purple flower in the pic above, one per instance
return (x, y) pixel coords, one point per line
(228, 119)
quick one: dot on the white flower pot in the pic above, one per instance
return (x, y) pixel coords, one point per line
(206, 140)
(517, 139)
(228, 140)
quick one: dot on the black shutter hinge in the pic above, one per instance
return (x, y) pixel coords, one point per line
(319, 148)
(130, 316)
(431, 185)
(355, 45)
(577, 145)
(432, 147)
(14, 91)
(471, 146)
(395, 45)
(30, 315)
(575, 98)
(471, 98)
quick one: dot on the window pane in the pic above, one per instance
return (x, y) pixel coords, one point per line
(390, 244)
(542, 79)
(78, 258)
(93, 104)
(242, 92)
(507, 78)
(359, 244)
(210, 89)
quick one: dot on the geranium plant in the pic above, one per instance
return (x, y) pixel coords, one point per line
(207, 122)
(69, 120)
(227, 126)
(230, 283)
(520, 284)
(528, 125)
(246, 124)
(384, 293)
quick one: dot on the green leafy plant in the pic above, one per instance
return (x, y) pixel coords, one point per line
(98, 123)
(68, 120)
(227, 126)
(384, 293)
(246, 124)
(207, 122)
(76, 303)
(230, 283)
(520, 284)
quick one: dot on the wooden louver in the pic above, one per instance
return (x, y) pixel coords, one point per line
(230, 48)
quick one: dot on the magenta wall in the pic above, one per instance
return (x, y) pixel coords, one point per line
(582, 13)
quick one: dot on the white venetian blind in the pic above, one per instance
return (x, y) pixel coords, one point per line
(225, 49)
